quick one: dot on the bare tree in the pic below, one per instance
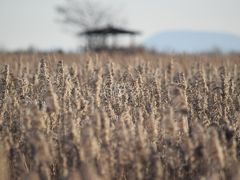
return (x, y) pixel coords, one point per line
(85, 14)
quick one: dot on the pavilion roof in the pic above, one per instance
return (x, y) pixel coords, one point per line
(110, 30)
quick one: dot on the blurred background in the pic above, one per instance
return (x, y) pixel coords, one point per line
(173, 25)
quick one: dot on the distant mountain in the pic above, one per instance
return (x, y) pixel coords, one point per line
(193, 41)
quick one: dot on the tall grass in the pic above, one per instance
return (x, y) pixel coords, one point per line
(119, 117)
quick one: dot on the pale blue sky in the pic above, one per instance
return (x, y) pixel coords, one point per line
(33, 22)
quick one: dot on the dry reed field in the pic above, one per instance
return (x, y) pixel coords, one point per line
(119, 117)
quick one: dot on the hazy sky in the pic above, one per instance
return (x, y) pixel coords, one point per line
(33, 22)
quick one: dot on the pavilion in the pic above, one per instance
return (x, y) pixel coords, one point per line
(98, 39)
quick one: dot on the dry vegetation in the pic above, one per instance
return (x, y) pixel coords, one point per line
(100, 117)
